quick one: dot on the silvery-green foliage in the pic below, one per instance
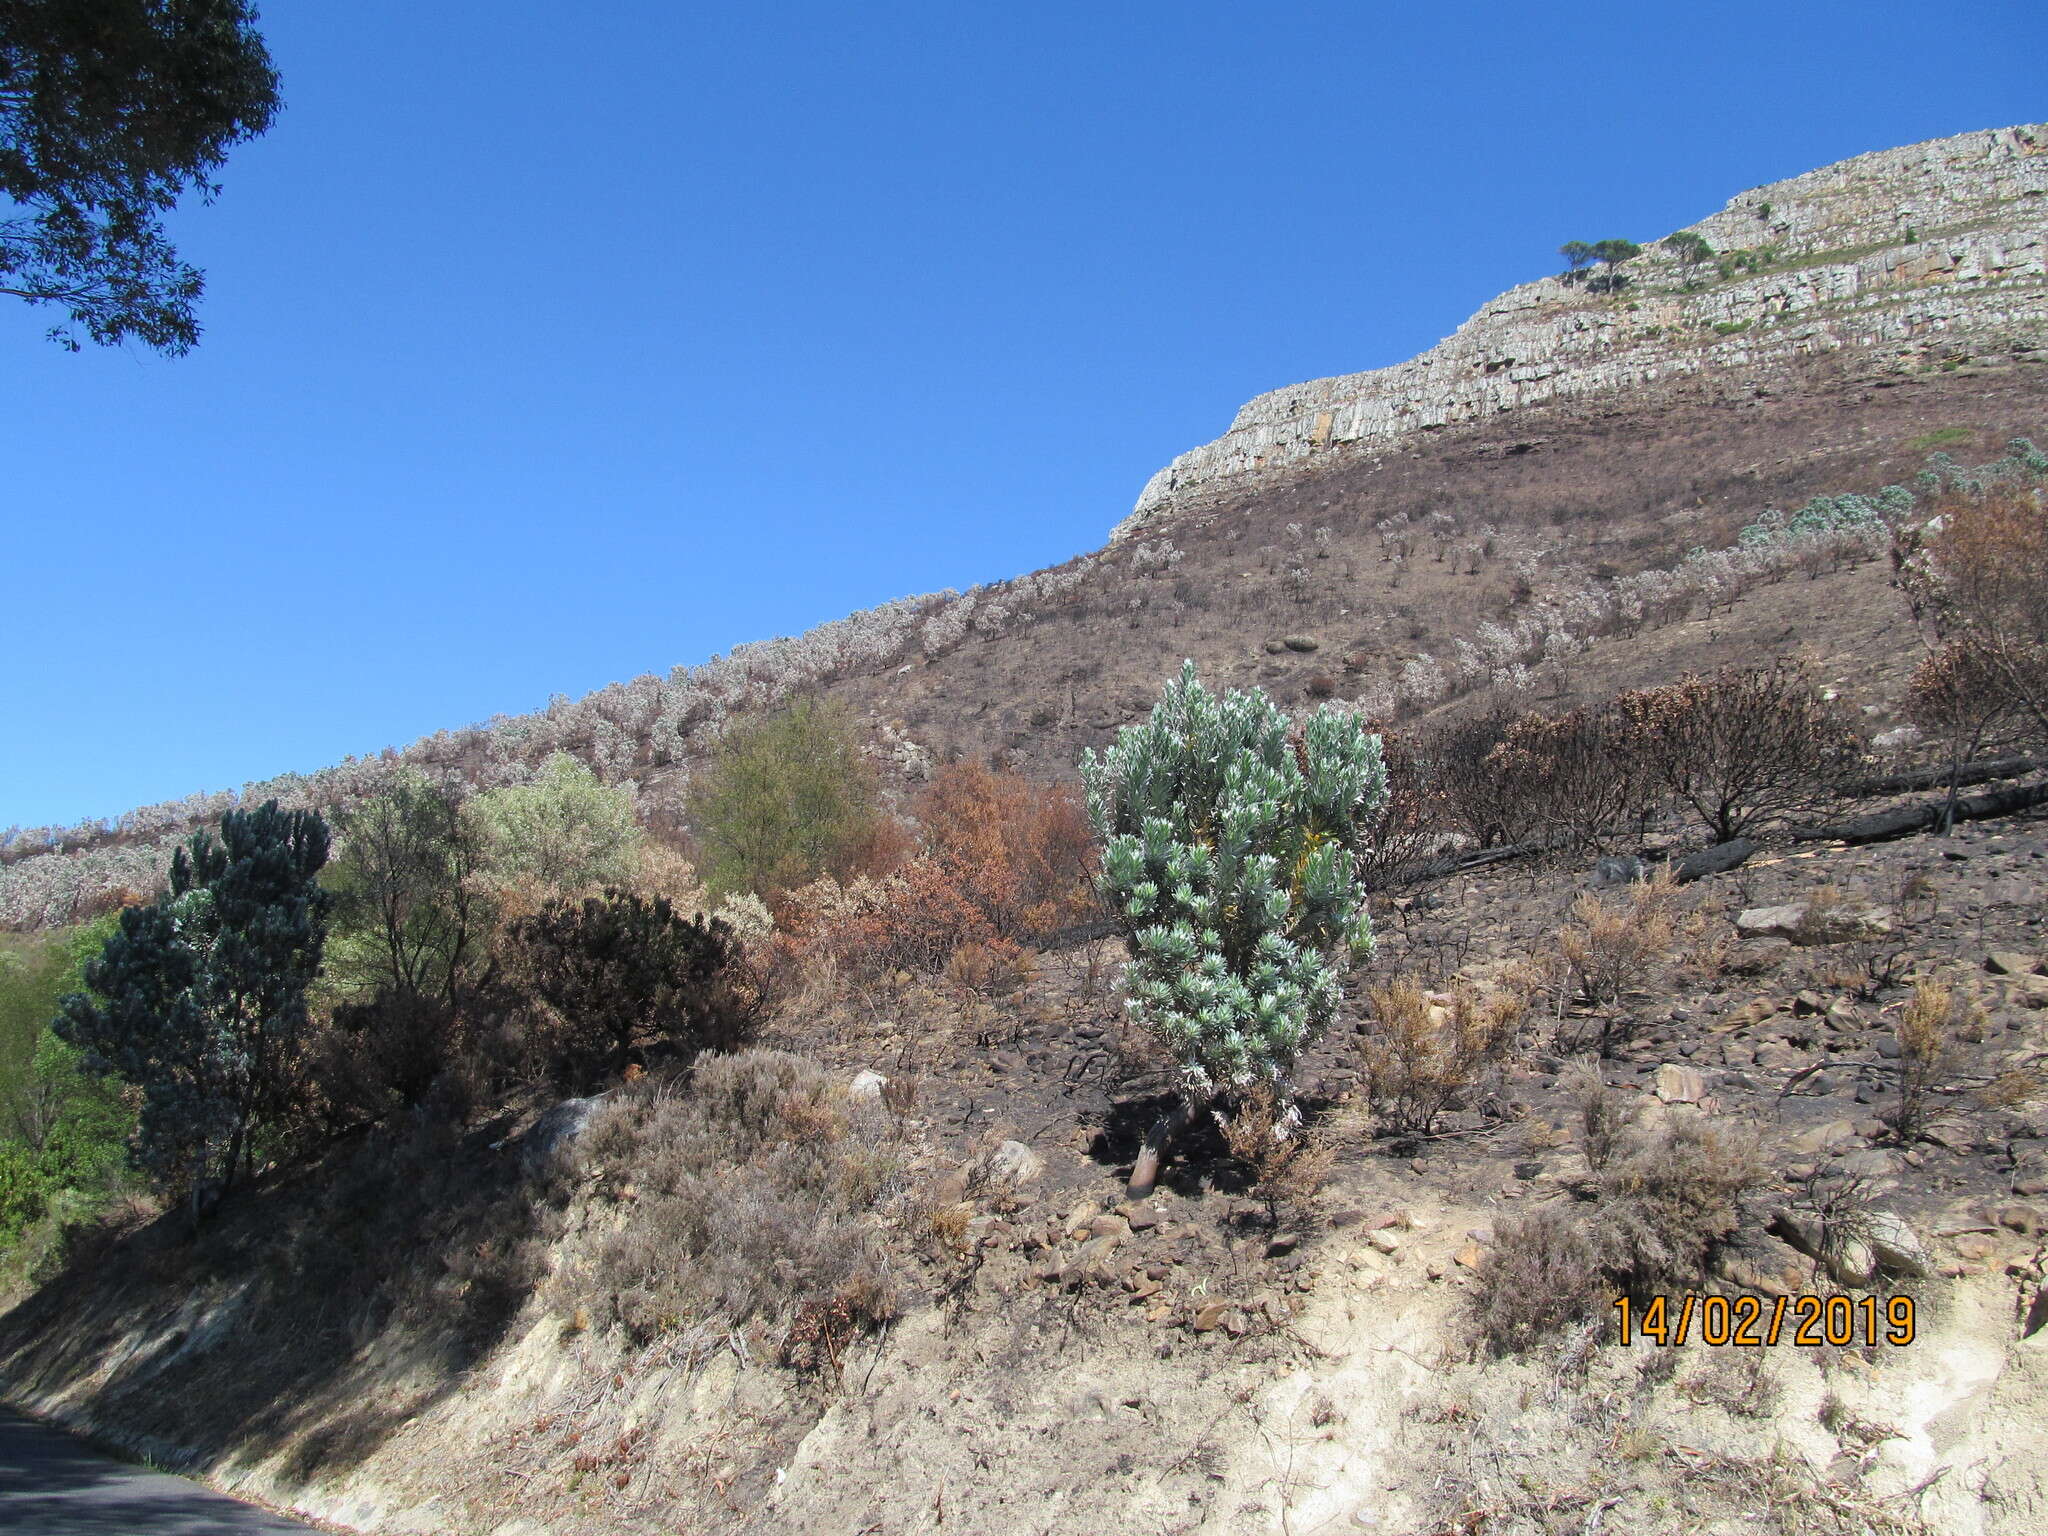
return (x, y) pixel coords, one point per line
(565, 829)
(2022, 464)
(1230, 857)
(747, 915)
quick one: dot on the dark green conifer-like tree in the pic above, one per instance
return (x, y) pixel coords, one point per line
(202, 995)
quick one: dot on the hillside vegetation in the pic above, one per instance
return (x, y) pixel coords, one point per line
(1236, 1032)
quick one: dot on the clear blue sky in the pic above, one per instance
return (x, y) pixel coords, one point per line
(550, 344)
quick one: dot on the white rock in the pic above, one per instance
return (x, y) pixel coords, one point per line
(1015, 1164)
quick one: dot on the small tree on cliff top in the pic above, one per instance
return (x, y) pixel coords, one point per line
(1230, 858)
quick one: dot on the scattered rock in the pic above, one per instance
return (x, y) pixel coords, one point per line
(556, 1128)
(2024, 1219)
(2037, 1314)
(1760, 1262)
(1896, 1246)
(1679, 1085)
(1823, 1138)
(1302, 643)
(1015, 1164)
(1776, 1056)
(1469, 1255)
(1949, 1134)
(1384, 1241)
(1209, 1316)
(2010, 962)
(867, 1086)
(1975, 1245)
(1770, 922)
(1626, 870)
(1790, 922)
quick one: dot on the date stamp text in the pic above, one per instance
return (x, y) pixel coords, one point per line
(1751, 1322)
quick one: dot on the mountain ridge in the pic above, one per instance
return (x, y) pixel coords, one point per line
(1891, 258)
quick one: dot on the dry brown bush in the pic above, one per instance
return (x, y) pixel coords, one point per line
(1670, 1197)
(1023, 851)
(1930, 1023)
(1977, 585)
(1958, 697)
(1288, 1160)
(1742, 748)
(754, 1193)
(1603, 1118)
(990, 969)
(1419, 1056)
(1573, 780)
(1410, 825)
(399, 1051)
(2014, 1089)
(1541, 1275)
(1610, 950)
(1003, 859)
(1455, 763)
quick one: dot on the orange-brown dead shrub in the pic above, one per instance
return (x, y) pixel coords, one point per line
(1023, 852)
(1003, 859)
(1420, 1057)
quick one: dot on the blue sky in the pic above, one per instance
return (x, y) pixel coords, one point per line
(548, 345)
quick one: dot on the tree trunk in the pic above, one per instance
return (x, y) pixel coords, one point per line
(1947, 824)
(1145, 1172)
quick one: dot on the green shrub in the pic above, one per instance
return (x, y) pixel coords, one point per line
(199, 999)
(564, 831)
(621, 974)
(63, 1132)
(407, 912)
(786, 799)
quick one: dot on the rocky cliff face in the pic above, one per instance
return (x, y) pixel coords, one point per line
(1934, 256)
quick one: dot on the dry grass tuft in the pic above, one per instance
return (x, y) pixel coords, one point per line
(1670, 1197)
(1737, 1381)
(1665, 1198)
(1542, 1274)
(1932, 1020)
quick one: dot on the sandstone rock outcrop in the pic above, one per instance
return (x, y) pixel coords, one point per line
(1934, 255)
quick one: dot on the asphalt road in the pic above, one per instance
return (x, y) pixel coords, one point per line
(53, 1485)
